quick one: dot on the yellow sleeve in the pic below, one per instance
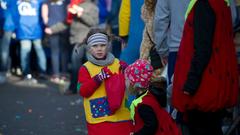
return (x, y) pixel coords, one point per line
(124, 18)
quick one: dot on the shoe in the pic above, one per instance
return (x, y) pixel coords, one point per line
(19, 71)
(29, 79)
(55, 79)
(42, 77)
(63, 78)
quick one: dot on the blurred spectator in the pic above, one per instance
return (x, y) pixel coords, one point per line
(148, 49)
(83, 20)
(29, 30)
(238, 9)
(234, 13)
(131, 26)
(148, 12)
(112, 21)
(54, 12)
(7, 27)
(168, 26)
(104, 7)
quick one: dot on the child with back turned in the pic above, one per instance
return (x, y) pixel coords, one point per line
(147, 111)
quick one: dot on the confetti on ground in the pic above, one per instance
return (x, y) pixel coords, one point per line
(78, 130)
(18, 117)
(72, 103)
(30, 110)
(20, 102)
(78, 101)
(77, 117)
(40, 116)
(59, 109)
(22, 130)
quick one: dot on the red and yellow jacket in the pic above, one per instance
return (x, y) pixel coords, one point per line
(95, 98)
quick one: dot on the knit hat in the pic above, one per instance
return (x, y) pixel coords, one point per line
(139, 73)
(97, 38)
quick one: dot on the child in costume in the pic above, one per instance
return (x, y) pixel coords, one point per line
(205, 80)
(149, 117)
(101, 65)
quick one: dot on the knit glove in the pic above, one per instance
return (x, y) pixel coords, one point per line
(102, 75)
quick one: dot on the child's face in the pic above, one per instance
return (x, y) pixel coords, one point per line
(98, 51)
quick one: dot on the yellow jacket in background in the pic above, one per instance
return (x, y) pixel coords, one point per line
(124, 18)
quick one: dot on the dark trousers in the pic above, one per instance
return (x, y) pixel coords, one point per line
(116, 45)
(4, 51)
(205, 123)
(59, 53)
(171, 65)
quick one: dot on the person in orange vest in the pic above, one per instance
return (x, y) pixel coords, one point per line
(206, 77)
(92, 77)
(147, 110)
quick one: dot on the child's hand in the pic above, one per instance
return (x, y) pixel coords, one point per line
(105, 73)
(164, 60)
(186, 93)
(131, 133)
(123, 65)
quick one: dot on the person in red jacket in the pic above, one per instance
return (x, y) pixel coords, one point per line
(147, 110)
(205, 78)
(92, 80)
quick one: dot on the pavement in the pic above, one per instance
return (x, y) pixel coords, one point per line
(39, 109)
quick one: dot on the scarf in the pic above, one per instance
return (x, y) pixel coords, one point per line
(107, 61)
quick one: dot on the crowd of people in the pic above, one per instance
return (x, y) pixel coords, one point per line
(145, 67)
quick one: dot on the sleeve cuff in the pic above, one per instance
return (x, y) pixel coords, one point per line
(191, 86)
